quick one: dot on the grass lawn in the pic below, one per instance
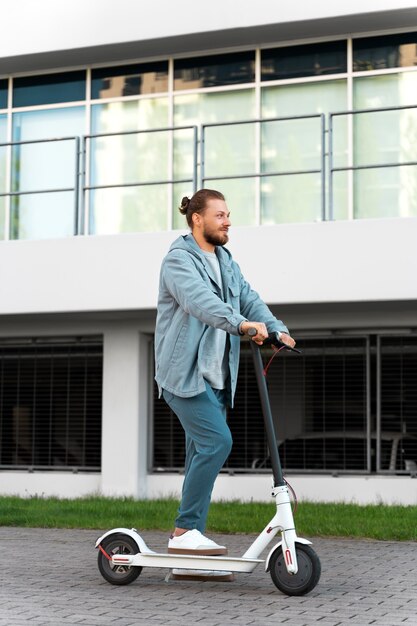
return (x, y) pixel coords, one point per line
(312, 520)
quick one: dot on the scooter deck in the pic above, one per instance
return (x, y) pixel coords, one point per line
(186, 561)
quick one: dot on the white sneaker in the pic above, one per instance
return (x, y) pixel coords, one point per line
(193, 542)
(201, 575)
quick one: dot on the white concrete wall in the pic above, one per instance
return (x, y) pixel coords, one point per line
(34, 27)
(49, 484)
(81, 282)
(349, 489)
(126, 387)
(330, 262)
(389, 490)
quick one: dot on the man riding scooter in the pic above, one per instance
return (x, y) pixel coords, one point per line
(204, 305)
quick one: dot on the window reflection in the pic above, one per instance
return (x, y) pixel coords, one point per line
(214, 71)
(377, 53)
(307, 60)
(129, 80)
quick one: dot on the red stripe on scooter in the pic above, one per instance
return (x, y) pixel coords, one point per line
(288, 557)
(104, 552)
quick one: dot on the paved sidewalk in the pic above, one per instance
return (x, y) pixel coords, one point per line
(51, 577)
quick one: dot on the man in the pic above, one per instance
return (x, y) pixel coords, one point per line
(204, 305)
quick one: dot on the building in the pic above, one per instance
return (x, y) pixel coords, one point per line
(305, 115)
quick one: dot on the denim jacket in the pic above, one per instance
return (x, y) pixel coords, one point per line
(190, 306)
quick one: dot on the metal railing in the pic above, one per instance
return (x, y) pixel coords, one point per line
(326, 168)
(74, 189)
(354, 168)
(261, 174)
(86, 169)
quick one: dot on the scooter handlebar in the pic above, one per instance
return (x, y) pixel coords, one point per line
(273, 340)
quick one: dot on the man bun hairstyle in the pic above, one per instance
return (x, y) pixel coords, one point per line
(198, 203)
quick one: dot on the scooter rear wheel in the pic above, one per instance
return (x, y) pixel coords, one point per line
(307, 577)
(118, 574)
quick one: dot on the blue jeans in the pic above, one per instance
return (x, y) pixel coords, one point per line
(208, 443)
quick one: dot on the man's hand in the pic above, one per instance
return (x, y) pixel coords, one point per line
(287, 340)
(261, 331)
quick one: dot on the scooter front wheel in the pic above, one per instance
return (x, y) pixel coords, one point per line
(118, 574)
(307, 577)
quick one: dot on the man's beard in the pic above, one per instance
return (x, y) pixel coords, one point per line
(215, 238)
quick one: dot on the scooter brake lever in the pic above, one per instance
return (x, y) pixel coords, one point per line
(273, 338)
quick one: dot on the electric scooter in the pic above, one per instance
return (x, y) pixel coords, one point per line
(292, 563)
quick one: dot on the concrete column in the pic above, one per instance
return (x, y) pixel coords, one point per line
(125, 411)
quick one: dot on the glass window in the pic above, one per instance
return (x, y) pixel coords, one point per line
(305, 60)
(128, 160)
(49, 89)
(378, 53)
(129, 209)
(295, 145)
(129, 80)
(3, 94)
(295, 198)
(3, 139)
(229, 150)
(42, 167)
(385, 137)
(209, 108)
(117, 117)
(214, 71)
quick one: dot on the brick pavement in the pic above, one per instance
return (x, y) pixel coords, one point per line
(50, 577)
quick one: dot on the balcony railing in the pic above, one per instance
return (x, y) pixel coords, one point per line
(327, 153)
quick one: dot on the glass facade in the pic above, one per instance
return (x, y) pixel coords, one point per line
(145, 148)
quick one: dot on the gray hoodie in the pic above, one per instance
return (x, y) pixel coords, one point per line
(190, 307)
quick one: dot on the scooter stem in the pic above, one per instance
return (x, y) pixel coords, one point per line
(266, 410)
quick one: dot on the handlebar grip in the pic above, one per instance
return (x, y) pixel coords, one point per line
(273, 338)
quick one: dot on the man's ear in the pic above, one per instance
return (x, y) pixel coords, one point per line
(196, 217)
